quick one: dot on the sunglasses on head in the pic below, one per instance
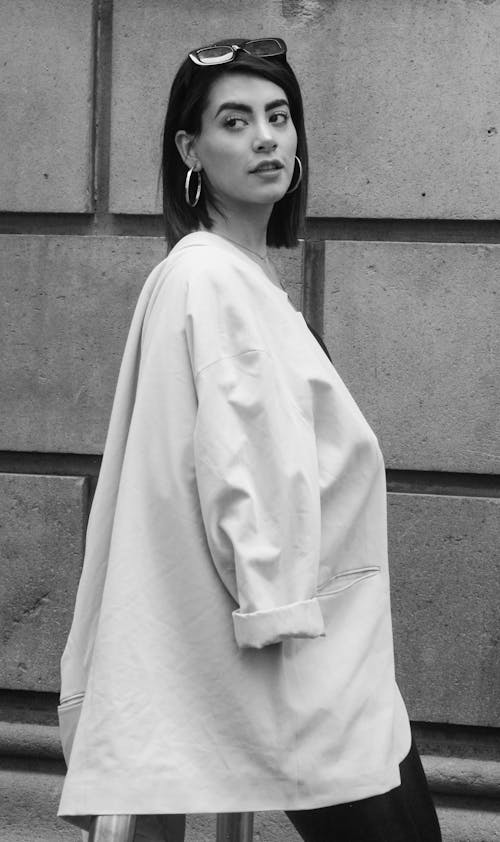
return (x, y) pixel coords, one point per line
(223, 53)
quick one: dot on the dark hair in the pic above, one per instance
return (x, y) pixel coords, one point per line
(187, 101)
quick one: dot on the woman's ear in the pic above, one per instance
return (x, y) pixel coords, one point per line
(186, 145)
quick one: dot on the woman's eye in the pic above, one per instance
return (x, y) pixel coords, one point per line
(234, 122)
(279, 117)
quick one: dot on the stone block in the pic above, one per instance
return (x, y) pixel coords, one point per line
(445, 597)
(41, 549)
(67, 305)
(201, 827)
(413, 330)
(26, 739)
(401, 105)
(274, 827)
(30, 798)
(469, 819)
(289, 266)
(46, 94)
(463, 776)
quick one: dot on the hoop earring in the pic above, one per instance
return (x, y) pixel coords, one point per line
(187, 185)
(293, 189)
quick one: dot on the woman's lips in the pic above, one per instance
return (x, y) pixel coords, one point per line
(268, 166)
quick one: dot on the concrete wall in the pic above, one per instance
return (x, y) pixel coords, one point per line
(398, 269)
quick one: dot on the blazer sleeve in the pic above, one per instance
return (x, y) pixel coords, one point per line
(257, 476)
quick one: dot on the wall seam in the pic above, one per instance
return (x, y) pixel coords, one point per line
(102, 116)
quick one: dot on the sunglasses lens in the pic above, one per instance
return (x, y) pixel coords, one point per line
(221, 53)
(214, 55)
(265, 47)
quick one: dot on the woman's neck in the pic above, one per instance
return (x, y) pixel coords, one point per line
(249, 232)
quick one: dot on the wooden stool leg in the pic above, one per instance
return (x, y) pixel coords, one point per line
(112, 829)
(235, 827)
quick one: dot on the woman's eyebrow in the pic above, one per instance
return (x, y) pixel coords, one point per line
(241, 106)
(276, 103)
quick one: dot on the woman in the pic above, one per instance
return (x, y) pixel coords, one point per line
(231, 648)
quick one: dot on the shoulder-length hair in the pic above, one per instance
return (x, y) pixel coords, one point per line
(187, 101)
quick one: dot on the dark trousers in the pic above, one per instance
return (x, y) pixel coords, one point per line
(405, 814)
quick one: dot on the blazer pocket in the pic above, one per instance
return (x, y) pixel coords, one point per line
(69, 714)
(346, 579)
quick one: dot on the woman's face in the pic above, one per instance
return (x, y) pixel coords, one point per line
(247, 142)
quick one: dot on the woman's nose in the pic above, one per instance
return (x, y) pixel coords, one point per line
(264, 139)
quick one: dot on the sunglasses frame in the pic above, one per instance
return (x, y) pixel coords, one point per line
(234, 49)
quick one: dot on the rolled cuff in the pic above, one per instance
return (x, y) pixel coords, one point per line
(262, 628)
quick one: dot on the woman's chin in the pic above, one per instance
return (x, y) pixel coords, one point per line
(270, 194)
(266, 196)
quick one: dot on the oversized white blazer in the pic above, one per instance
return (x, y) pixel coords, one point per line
(231, 648)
